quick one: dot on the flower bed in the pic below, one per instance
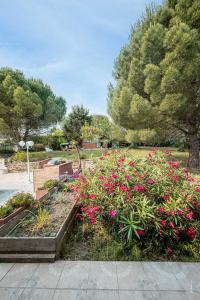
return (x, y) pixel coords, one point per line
(149, 206)
(38, 235)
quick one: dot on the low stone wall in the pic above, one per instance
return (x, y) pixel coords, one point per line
(21, 166)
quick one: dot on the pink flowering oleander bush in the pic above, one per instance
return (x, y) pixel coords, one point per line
(141, 201)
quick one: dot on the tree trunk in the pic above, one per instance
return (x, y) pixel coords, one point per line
(79, 157)
(193, 161)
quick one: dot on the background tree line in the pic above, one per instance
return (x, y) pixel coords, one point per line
(157, 76)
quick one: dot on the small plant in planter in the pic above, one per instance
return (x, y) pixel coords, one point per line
(51, 183)
(43, 219)
(21, 200)
(5, 211)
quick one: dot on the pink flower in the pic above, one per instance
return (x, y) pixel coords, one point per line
(139, 188)
(191, 233)
(83, 196)
(113, 213)
(166, 197)
(172, 213)
(128, 177)
(176, 179)
(92, 196)
(106, 153)
(190, 216)
(172, 225)
(122, 159)
(151, 181)
(161, 210)
(173, 164)
(132, 163)
(180, 212)
(197, 189)
(114, 175)
(123, 188)
(163, 223)
(102, 178)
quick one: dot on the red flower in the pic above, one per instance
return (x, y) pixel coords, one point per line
(191, 233)
(176, 178)
(172, 225)
(83, 196)
(172, 213)
(141, 232)
(113, 175)
(197, 189)
(128, 177)
(102, 158)
(139, 188)
(166, 197)
(177, 235)
(132, 163)
(174, 164)
(161, 210)
(123, 188)
(102, 178)
(163, 223)
(122, 159)
(113, 213)
(180, 212)
(79, 217)
(92, 197)
(106, 153)
(190, 216)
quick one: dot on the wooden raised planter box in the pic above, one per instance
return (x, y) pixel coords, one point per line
(42, 195)
(34, 249)
(11, 216)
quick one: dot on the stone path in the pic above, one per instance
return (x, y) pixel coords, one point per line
(83, 280)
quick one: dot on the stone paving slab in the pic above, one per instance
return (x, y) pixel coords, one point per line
(13, 183)
(82, 280)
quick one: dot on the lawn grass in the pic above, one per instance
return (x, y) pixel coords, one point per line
(72, 154)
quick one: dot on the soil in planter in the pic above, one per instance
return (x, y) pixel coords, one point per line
(45, 220)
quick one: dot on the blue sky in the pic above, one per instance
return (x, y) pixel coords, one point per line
(69, 44)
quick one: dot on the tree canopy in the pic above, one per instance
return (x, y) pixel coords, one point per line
(26, 105)
(73, 123)
(158, 73)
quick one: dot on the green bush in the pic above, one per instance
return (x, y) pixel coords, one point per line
(21, 200)
(51, 183)
(5, 211)
(33, 156)
(148, 201)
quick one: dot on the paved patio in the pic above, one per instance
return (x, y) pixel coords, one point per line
(100, 281)
(12, 183)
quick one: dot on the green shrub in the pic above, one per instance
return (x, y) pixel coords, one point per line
(33, 156)
(141, 200)
(51, 183)
(5, 211)
(21, 200)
